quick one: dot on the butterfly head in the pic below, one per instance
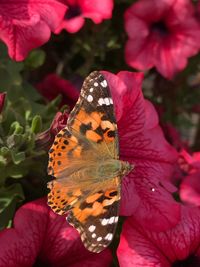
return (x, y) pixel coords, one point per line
(126, 167)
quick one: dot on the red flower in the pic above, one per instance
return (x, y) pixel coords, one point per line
(190, 185)
(53, 85)
(81, 9)
(25, 25)
(172, 134)
(41, 237)
(190, 189)
(2, 100)
(161, 34)
(145, 191)
(176, 247)
(189, 163)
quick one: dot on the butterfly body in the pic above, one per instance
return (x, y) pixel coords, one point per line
(110, 168)
(84, 159)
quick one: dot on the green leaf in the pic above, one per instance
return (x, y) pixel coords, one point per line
(5, 79)
(17, 157)
(3, 161)
(35, 59)
(4, 151)
(36, 125)
(4, 51)
(14, 140)
(17, 171)
(9, 198)
(14, 69)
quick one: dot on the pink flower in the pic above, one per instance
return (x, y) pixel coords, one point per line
(81, 9)
(25, 25)
(198, 10)
(190, 189)
(146, 191)
(2, 100)
(176, 247)
(45, 139)
(161, 34)
(173, 136)
(189, 163)
(53, 85)
(190, 185)
(171, 133)
(41, 237)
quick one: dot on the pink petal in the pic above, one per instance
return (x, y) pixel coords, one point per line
(148, 10)
(53, 85)
(40, 235)
(136, 251)
(62, 244)
(71, 25)
(21, 245)
(190, 189)
(29, 26)
(122, 88)
(167, 51)
(149, 248)
(2, 100)
(173, 53)
(142, 143)
(97, 10)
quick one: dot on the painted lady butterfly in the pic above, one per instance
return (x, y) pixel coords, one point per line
(85, 160)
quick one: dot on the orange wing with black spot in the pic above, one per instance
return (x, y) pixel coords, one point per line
(75, 157)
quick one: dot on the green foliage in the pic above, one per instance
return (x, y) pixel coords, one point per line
(35, 60)
(25, 114)
(11, 196)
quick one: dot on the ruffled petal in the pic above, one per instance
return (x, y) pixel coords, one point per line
(25, 25)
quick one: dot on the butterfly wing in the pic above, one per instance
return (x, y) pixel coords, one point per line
(89, 137)
(93, 115)
(91, 129)
(96, 219)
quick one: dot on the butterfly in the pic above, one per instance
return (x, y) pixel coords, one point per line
(84, 159)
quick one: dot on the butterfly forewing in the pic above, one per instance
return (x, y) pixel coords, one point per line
(93, 115)
(89, 139)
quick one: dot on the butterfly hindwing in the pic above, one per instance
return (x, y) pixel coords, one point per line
(96, 220)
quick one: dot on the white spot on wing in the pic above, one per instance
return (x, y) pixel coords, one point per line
(109, 236)
(99, 238)
(116, 219)
(92, 228)
(90, 98)
(107, 101)
(100, 101)
(111, 220)
(91, 89)
(96, 84)
(104, 83)
(94, 235)
(104, 221)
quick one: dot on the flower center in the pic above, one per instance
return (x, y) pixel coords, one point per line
(160, 27)
(73, 11)
(191, 261)
(39, 263)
